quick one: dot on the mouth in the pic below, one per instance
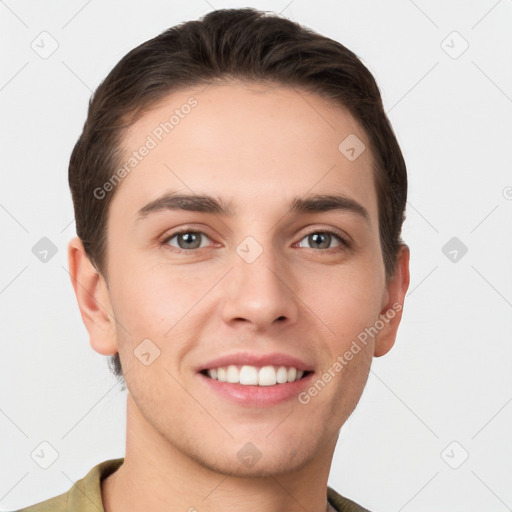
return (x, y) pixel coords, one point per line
(260, 376)
(258, 380)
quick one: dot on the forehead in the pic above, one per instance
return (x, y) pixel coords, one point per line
(250, 144)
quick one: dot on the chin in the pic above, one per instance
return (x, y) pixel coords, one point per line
(262, 465)
(257, 458)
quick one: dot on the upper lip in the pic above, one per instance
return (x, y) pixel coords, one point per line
(252, 359)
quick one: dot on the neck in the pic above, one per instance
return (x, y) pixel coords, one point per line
(158, 476)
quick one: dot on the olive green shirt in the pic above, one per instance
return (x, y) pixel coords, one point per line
(85, 495)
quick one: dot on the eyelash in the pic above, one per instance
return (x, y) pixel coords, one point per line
(344, 244)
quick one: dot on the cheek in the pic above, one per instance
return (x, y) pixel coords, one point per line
(347, 300)
(146, 300)
(156, 306)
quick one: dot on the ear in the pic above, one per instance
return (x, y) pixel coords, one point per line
(393, 303)
(93, 299)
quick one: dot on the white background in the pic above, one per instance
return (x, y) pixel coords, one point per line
(449, 376)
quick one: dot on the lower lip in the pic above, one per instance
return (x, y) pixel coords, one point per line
(258, 396)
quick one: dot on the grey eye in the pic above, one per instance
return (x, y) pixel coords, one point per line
(187, 240)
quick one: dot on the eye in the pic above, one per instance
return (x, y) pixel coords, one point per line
(186, 240)
(323, 240)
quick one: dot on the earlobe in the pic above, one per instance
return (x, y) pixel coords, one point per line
(93, 299)
(391, 313)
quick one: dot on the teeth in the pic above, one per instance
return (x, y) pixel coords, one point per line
(253, 376)
(221, 374)
(249, 376)
(267, 376)
(232, 374)
(282, 375)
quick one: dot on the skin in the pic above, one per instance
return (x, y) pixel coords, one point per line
(257, 148)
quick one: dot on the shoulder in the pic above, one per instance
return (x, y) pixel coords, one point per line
(56, 504)
(342, 504)
(84, 495)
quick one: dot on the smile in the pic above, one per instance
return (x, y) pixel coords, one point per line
(255, 376)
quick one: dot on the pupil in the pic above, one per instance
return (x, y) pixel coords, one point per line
(189, 238)
(317, 238)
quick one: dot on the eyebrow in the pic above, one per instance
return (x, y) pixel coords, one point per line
(316, 203)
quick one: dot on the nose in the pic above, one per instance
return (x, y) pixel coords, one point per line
(260, 292)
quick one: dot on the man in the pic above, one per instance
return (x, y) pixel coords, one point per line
(239, 196)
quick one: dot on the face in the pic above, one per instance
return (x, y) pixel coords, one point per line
(265, 275)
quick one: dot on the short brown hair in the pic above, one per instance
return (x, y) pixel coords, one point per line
(245, 44)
